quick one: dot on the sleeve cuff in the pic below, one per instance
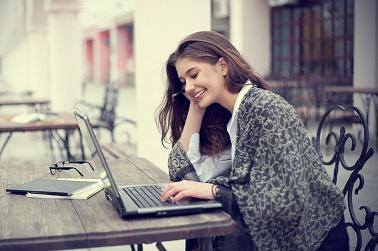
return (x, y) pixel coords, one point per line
(225, 197)
(193, 152)
(179, 165)
(186, 173)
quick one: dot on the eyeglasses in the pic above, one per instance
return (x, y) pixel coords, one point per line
(60, 166)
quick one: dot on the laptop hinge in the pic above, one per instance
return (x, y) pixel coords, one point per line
(117, 202)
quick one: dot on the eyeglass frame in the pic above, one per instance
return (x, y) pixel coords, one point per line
(58, 168)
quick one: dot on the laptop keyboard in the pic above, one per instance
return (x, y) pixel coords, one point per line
(146, 196)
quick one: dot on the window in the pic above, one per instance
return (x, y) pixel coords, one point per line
(220, 16)
(313, 38)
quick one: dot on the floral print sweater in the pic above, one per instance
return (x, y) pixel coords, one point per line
(285, 198)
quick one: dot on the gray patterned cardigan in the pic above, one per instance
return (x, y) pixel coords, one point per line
(277, 182)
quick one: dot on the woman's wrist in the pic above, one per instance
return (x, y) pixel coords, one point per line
(196, 110)
(214, 190)
(194, 119)
(192, 124)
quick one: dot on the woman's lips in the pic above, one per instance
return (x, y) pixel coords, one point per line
(199, 94)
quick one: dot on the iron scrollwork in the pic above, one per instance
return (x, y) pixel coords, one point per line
(338, 160)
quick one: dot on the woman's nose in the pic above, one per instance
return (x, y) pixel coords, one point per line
(189, 86)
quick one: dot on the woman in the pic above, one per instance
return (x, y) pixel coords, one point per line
(259, 161)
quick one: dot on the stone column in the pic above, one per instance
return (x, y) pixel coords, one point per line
(64, 45)
(159, 26)
(250, 32)
(113, 53)
(365, 55)
(38, 54)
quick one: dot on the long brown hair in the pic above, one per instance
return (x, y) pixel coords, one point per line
(208, 47)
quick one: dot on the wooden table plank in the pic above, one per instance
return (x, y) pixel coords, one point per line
(118, 150)
(35, 224)
(39, 224)
(149, 169)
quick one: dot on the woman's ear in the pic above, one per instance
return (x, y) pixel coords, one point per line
(223, 66)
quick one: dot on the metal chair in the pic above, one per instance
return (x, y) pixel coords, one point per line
(337, 144)
(106, 113)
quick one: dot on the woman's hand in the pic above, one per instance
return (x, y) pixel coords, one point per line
(186, 188)
(194, 104)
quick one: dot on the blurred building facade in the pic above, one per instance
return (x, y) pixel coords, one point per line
(41, 50)
(54, 46)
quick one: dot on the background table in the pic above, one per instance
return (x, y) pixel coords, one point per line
(367, 96)
(64, 121)
(36, 224)
(36, 104)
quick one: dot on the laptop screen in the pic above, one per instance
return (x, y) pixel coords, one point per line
(101, 167)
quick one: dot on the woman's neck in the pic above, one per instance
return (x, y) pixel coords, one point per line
(228, 100)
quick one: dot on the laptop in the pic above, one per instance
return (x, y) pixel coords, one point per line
(135, 200)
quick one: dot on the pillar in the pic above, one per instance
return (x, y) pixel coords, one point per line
(365, 55)
(159, 26)
(250, 32)
(64, 44)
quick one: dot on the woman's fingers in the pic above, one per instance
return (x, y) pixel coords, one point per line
(184, 189)
(194, 103)
(181, 195)
(168, 193)
(171, 190)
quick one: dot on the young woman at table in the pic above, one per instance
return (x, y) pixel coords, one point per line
(238, 143)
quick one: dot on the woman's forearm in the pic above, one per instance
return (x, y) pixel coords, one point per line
(192, 124)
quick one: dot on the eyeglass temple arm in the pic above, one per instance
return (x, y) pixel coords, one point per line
(64, 168)
(79, 162)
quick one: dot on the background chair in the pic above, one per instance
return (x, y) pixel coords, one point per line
(104, 115)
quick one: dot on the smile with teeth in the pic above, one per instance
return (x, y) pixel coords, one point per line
(199, 94)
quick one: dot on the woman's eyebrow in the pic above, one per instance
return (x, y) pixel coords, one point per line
(191, 69)
(187, 72)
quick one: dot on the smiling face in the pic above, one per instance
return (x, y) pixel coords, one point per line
(203, 82)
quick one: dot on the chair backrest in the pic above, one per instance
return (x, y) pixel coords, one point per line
(107, 111)
(336, 144)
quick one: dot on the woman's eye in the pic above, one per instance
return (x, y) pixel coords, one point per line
(194, 75)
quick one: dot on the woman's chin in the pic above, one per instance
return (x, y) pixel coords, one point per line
(203, 104)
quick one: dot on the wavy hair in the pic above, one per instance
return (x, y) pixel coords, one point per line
(207, 47)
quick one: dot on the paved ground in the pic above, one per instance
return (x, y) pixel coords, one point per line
(30, 146)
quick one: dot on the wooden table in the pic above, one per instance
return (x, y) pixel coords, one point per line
(37, 104)
(39, 224)
(65, 121)
(351, 89)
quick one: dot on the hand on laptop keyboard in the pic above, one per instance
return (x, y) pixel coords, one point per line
(177, 191)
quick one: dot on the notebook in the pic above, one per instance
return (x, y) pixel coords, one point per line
(135, 200)
(82, 194)
(25, 118)
(52, 186)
